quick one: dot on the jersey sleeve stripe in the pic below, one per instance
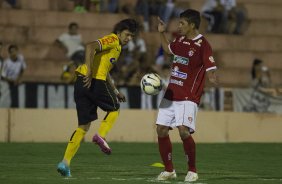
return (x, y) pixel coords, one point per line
(211, 68)
(100, 44)
(196, 79)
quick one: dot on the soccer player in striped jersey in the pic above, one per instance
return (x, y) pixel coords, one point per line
(94, 88)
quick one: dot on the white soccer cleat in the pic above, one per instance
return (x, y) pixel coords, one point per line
(191, 176)
(167, 175)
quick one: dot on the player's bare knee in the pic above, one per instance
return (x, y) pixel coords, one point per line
(85, 127)
(183, 132)
(162, 131)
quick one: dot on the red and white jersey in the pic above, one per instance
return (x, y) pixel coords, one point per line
(191, 60)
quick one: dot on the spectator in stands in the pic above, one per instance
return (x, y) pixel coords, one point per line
(81, 6)
(69, 76)
(9, 3)
(113, 6)
(12, 71)
(142, 8)
(1, 58)
(170, 11)
(221, 14)
(260, 74)
(148, 8)
(212, 10)
(136, 54)
(232, 14)
(72, 43)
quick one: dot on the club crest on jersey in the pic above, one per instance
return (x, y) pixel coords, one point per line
(190, 53)
(211, 59)
(180, 60)
(178, 74)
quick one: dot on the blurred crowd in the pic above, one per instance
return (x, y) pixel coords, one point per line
(222, 16)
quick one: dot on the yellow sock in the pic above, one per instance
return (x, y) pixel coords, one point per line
(107, 123)
(74, 144)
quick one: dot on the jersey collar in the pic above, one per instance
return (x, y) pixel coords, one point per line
(197, 37)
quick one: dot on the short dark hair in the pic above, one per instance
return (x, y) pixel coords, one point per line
(73, 24)
(126, 24)
(192, 16)
(12, 47)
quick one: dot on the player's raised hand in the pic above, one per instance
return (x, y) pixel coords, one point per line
(161, 25)
(121, 97)
(213, 78)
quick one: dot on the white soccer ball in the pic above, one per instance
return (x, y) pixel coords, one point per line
(151, 84)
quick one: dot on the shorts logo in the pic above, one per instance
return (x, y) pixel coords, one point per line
(190, 119)
(180, 60)
(178, 74)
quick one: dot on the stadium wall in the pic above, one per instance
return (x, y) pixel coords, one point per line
(56, 125)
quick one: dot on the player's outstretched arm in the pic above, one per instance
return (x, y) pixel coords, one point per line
(213, 78)
(164, 40)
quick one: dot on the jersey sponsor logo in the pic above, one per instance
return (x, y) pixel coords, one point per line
(177, 82)
(112, 60)
(181, 60)
(108, 40)
(178, 74)
(186, 43)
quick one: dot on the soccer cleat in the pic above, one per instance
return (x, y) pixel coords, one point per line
(191, 176)
(102, 144)
(165, 175)
(63, 169)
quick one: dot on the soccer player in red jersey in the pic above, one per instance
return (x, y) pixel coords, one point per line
(192, 60)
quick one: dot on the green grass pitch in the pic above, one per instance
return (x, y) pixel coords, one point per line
(35, 163)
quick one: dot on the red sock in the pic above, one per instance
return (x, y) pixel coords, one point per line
(190, 151)
(165, 149)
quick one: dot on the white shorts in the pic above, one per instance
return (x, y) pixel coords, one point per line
(177, 113)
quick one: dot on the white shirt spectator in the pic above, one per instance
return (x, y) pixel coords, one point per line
(12, 69)
(209, 5)
(140, 44)
(228, 4)
(73, 43)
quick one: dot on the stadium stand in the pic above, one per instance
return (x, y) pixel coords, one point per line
(36, 25)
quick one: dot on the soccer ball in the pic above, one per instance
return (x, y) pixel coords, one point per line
(151, 84)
